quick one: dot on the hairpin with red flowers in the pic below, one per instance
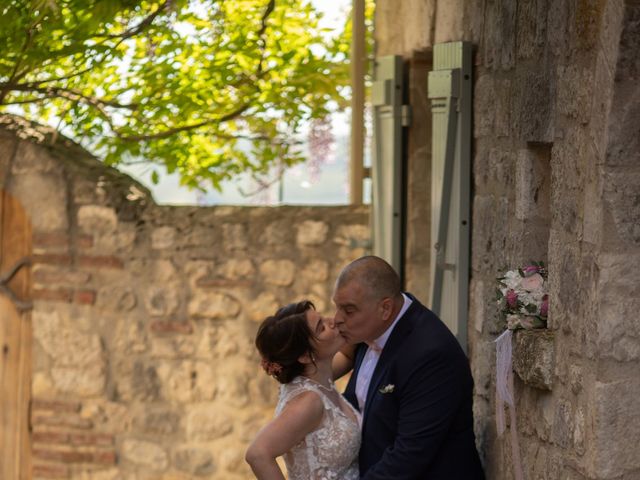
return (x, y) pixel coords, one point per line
(272, 368)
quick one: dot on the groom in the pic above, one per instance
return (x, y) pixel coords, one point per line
(411, 380)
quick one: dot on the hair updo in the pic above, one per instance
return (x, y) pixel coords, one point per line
(283, 338)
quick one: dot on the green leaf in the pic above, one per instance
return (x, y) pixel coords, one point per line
(176, 86)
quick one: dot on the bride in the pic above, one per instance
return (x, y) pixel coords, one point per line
(315, 428)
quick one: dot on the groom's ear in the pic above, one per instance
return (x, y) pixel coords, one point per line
(387, 308)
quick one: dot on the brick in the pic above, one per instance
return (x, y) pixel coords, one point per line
(223, 282)
(100, 261)
(51, 239)
(64, 456)
(53, 295)
(50, 437)
(84, 241)
(49, 276)
(69, 421)
(97, 439)
(107, 457)
(85, 297)
(50, 471)
(160, 326)
(52, 259)
(101, 457)
(58, 406)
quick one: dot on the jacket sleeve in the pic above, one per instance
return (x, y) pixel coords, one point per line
(429, 403)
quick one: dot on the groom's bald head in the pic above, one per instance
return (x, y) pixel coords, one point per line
(377, 277)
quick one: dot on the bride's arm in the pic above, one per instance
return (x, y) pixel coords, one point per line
(343, 361)
(301, 416)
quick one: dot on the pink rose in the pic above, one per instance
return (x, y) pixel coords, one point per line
(544, 307)
(530, 269)
(534, 282)
(512, 298)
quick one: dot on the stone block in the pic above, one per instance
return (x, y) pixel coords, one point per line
(195, 461)
(237, 269)
(311, 233)
(235, 236)
(206, 423)
(163, 238)
(278, 272)
(616, 429)
(214, 305)
(44, 198)
(484, 106)
(97, 219)
(622, 197)
(533, 357)
(86, 381)
(261, 306)
(162, 300)
(159, 421)
(145, 454)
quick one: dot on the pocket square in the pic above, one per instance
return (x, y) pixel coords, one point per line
(387, 388)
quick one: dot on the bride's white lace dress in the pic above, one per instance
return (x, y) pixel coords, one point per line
(331, 451)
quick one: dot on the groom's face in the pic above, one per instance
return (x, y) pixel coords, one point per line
(358, 316)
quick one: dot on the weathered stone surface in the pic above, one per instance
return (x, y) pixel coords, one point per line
(316, 271)
(311, 232)
(158, 421)
(278, 272)
(162, 300)
(263, 305)
(97, 219)
(195, 461)
(353, 236)
(617, 422)
(203, 423)
(120, 299)
(43, 197)
(235, 236)
(533, 357)
(145, 454)
(163, 238)
(187, 380)
(235, 269)
(205, 304)
(84, 381)
(134, 358)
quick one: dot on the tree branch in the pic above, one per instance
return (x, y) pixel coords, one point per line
(138, 28)
(69, 94)
(184, 128)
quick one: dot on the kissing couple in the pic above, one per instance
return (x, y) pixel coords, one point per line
(406, 412)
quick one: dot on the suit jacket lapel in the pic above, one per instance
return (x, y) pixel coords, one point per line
(390, 350)
(350, 390)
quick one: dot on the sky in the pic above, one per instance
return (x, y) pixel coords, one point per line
(300, 184)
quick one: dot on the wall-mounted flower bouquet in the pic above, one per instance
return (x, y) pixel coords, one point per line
(523, 298)
(524, 303)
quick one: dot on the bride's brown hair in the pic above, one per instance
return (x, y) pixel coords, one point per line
(283, 338)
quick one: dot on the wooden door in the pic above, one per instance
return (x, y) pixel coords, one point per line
(15, 340)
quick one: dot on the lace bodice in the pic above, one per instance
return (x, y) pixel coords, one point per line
(331, 451)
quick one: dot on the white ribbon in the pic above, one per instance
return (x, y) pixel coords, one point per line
(504, 394)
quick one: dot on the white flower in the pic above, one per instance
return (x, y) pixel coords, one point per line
(532, 283)
(387, 388)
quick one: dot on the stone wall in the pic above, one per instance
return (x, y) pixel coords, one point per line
(556, 176)
(144, 316)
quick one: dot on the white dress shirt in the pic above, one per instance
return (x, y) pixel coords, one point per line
(370, 360)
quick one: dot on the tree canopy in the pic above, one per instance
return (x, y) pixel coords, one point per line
(208, 88)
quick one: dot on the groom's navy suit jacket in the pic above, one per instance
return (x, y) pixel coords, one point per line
(422, 427)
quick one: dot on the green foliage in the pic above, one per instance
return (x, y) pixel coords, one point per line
(207, 88)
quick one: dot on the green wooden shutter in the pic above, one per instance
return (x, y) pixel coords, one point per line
(450, 91)
(386, 99)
